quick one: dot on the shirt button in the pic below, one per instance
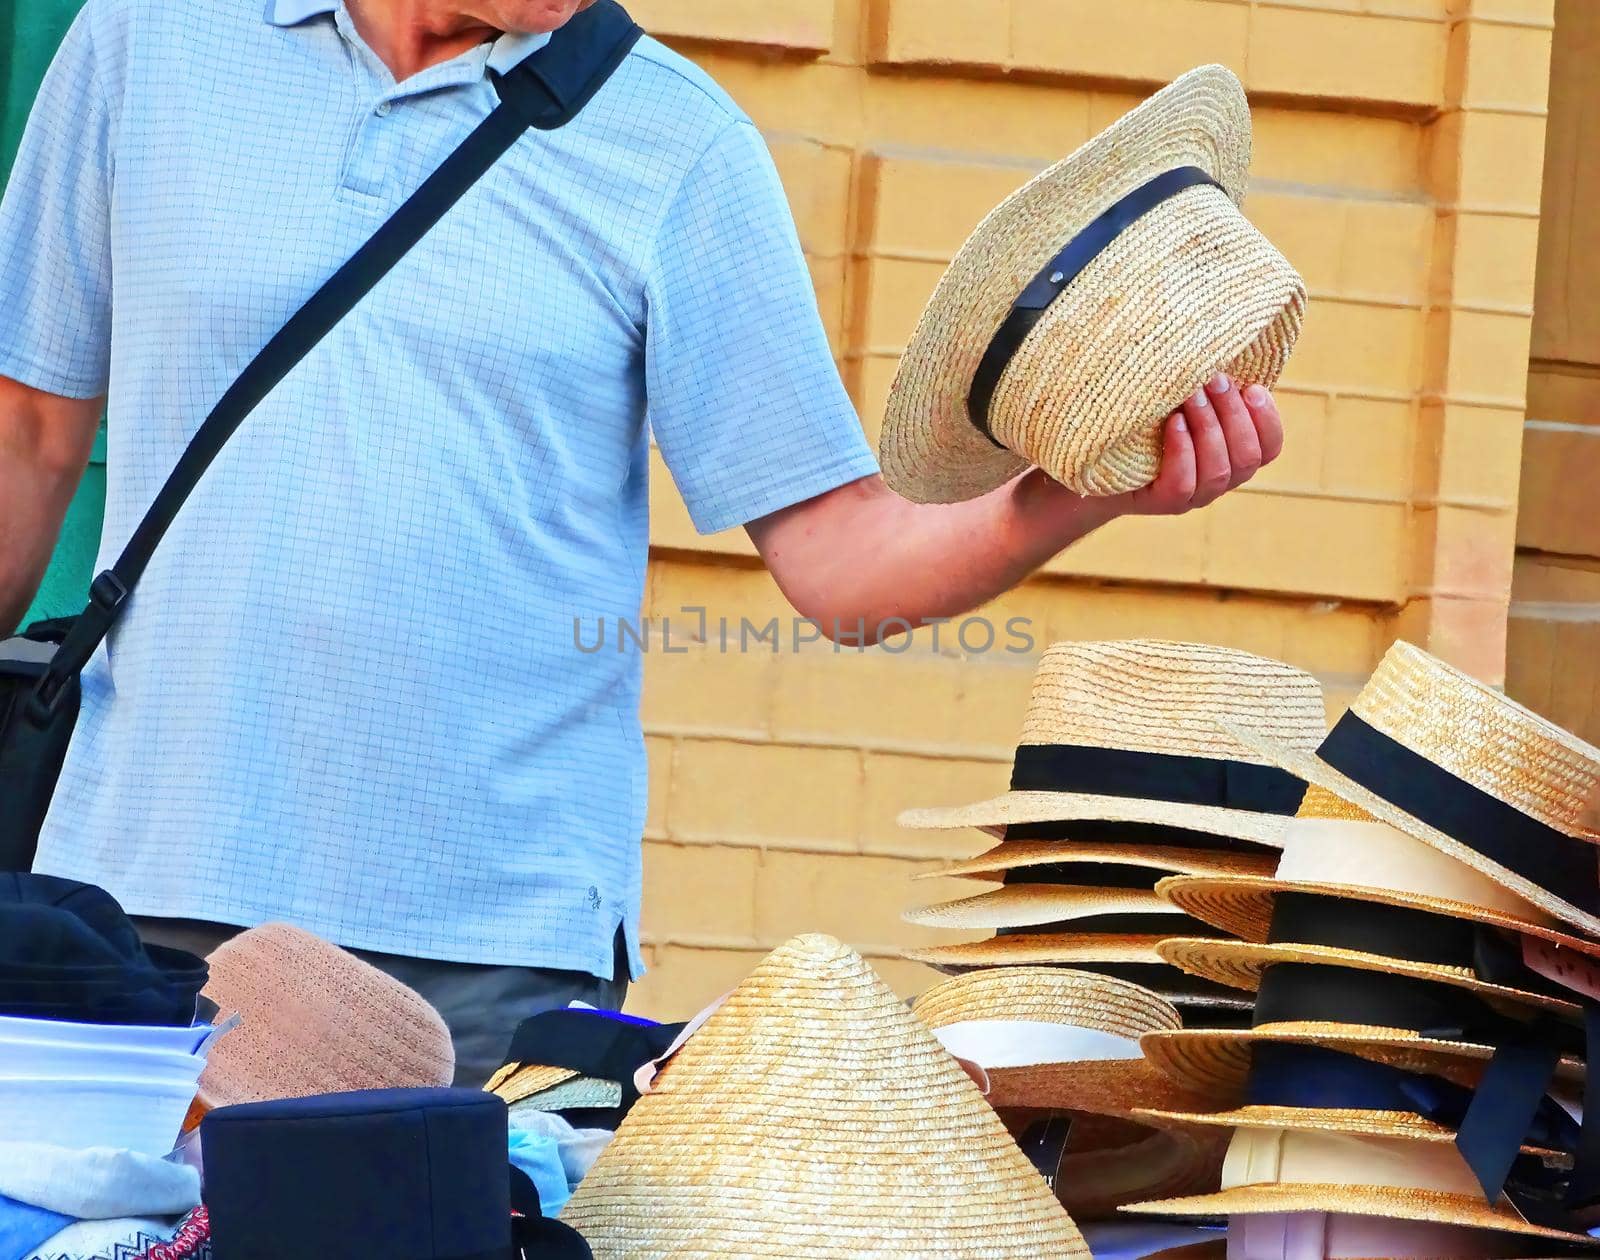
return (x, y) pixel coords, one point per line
(383, 109)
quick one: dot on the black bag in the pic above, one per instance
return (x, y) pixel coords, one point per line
(39, 669)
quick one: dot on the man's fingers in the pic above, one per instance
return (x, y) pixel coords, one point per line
(1213, 472)
(1268, 424)
(1174, 486)
(1238, 429)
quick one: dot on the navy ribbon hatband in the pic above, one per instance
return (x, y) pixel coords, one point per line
(1061, 271)
(1168, 777)
(1556, 862)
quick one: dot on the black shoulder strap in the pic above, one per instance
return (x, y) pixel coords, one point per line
(545, 92)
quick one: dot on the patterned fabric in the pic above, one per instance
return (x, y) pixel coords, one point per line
(191, 1242)
(348, 693)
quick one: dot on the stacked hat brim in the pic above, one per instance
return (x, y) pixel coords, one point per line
(1124, 777)
(1114, 338)
(813, 1111)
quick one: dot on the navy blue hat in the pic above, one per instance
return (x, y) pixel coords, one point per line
(385, 1174)
(67, 951)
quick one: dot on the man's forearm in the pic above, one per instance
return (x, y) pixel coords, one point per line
(45, 442)
(922, 562)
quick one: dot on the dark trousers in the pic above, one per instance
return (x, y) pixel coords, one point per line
(482, 1004)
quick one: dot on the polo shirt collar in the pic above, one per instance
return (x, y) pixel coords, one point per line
(506, 52)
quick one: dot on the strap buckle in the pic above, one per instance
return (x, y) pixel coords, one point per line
(107, 592)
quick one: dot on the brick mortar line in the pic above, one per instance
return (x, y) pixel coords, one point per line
(747, 943)
(809, 849)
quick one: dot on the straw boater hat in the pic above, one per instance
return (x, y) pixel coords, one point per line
(1454, 763)
(814, 1114)
(315, 1019)
(1020, 855)
(1129, 732)
(1056, 1040)
(1090, 303)
(1271, 1171)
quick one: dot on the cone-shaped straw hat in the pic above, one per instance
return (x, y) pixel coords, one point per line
(814, 1114)
(1090, 303)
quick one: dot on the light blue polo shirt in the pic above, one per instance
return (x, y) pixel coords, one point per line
(347, 692)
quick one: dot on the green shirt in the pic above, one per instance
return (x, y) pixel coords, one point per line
(30, 31)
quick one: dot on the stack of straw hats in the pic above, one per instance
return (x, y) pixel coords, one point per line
(1124, 775)
(813, 1114)
(1090, 303)
(1426, 973)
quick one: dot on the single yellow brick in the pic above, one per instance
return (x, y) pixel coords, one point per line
(896, 291)
(1506, 67)
(976, 119)
(1468, 633)
(1499, 163)
(1533, 12)
(925, 207)
(1473, 552)
(699, 890)
(1155, 40)
(748, 793)
(726, 591)
(1480, 452)
(1326, 547)
(1359, 348)
(1387, 249)
(870, 697)
(816, 178)
(1369, 448)
(797, 25)
(1344, 152)
(690, 686)
(971, 32)
(1487, 357)
(1488, 259)
(856, 897)
(1143, 548)
(1347, 56)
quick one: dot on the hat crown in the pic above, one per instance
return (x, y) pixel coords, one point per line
(1482, 737)
(1154, 696)
(813, 1105)
(317, 1019)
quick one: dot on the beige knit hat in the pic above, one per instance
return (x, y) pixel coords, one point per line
(1456, 764)
(1128, 731)
(315, 1020)
(1090, 303)
(814, 1114)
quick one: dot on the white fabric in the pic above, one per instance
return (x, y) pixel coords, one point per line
(128, 1113)
(105, 1038)
(97, 1183)
(1336, 1236)
(1378, 856)
(1004, 1043)
(1286, 1157)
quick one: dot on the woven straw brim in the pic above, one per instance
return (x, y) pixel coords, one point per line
(315, 1020)
(1033, 905)
(1240, 964)
(813, 1110)
(1379, 1124)
(1017, 855)
(1061, 949)
(1126, 1089)
(514, 1086)
(1217, 1060)
(1242, 905)
(1428, 1206)
(1144, 303)
(1095, 1184)
(1015, 808)
(1079, 999)
(1314, 770)
(582, 1093)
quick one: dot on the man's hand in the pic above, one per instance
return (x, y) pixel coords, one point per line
(862, 556)
(1214, 443)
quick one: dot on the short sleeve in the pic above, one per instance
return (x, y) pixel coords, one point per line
(744, 398)
(55, 247)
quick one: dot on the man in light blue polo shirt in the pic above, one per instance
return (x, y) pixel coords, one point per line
(346, 692)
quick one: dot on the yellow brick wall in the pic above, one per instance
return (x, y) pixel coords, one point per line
(1554, 636)
(1398, 162)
